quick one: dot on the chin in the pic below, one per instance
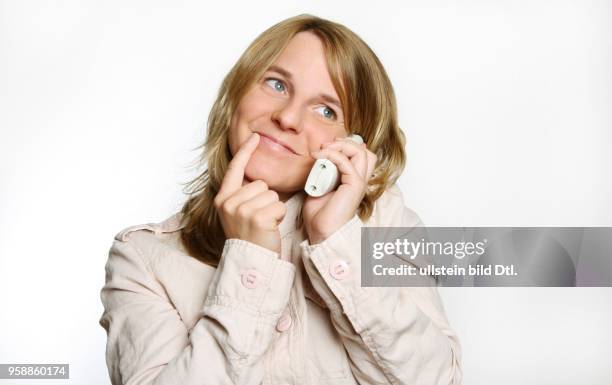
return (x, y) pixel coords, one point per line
(277, 176)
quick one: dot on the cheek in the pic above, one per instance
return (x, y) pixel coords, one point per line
(279, 175)
(317, 139)
(233, 138)
(253, 105)
(240, 131)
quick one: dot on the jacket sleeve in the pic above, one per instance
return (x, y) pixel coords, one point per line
(393, 335)
(148, 343)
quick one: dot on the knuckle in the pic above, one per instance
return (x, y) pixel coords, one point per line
(242, 212)
(273, 194)
(260, 184)
(224, 206)
(257, 219)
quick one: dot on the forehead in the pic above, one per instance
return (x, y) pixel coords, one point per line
(304, 57)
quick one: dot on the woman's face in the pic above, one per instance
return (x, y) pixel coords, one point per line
(294, 103)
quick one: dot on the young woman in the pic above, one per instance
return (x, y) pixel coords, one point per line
(255, 282)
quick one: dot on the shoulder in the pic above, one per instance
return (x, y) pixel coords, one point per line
(169, 225)
(153, 239)
(391, 210)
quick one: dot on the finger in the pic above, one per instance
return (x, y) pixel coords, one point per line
(260, 200)
(234, 176)
(245, 193)
(348, 172)
(355, 152)
(276, 211)
(265, 209)
(246, 180)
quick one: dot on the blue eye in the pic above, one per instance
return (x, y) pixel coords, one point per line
(327, 112)
(276, 84)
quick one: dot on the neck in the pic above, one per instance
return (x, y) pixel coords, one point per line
(284, 196)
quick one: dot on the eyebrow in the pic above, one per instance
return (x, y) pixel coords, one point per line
(328, 98)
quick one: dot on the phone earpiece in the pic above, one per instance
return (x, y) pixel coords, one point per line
(324, 176)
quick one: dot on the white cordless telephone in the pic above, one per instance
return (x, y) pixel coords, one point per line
(324, 176)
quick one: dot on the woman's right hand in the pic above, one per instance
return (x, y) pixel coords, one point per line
(249, 210)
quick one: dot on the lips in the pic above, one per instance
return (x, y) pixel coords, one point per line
(279, 142)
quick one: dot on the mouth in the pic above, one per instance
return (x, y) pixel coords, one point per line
(278, 143)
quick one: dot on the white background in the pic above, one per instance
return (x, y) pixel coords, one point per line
(506, 107)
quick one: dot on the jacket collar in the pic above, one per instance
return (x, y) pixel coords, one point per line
(293, 217)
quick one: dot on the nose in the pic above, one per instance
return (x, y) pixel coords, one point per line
(288, 116)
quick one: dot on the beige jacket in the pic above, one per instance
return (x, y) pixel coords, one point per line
(257, 319)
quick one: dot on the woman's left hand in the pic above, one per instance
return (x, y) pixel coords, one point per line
(326, 214)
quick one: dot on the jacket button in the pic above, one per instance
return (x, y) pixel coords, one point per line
(250, 278)
(339, 269)
(284, 323)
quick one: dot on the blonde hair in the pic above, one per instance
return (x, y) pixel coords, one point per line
(368, 104)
